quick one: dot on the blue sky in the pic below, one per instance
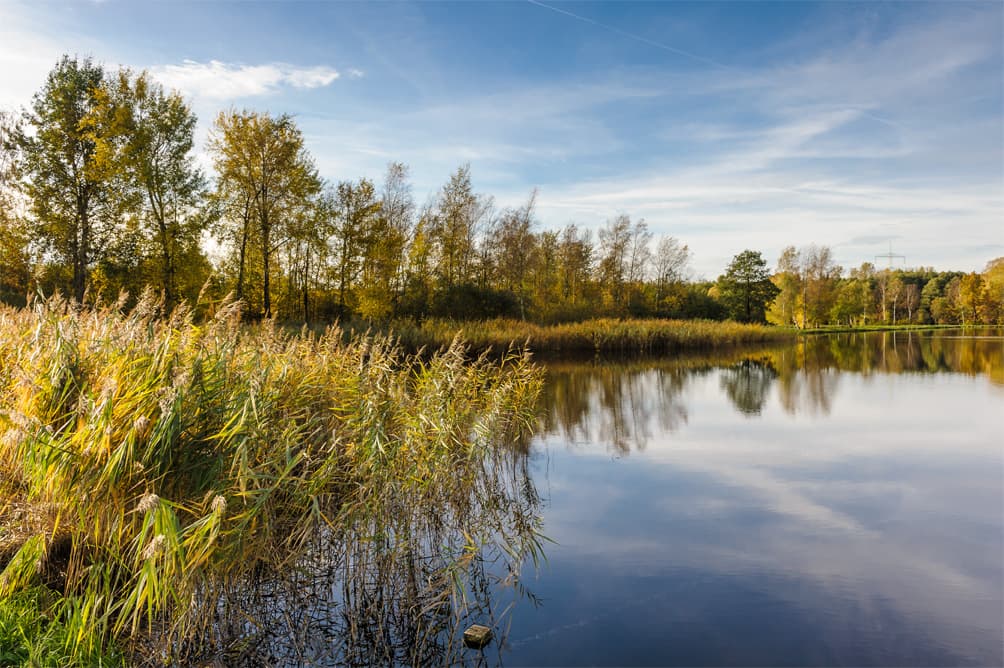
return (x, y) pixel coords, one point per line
(728, 125)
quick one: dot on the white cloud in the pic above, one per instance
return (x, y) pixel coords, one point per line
(26, 56)
(219, 80)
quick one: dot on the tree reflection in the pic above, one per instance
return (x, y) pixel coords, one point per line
(747, 384)
(623, 404)
(617, 404)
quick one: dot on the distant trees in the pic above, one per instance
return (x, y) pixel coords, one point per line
(806, 281)
(745, 288)
(623, 261)
(100, 192)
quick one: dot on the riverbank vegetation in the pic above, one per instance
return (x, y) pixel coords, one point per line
(100, 193)
(590, 337)
(172, 492)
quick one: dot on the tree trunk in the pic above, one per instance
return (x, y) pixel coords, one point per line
(82, 250)
(266, 294)
(168, 269)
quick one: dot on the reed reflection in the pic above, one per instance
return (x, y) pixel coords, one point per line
(395, 589)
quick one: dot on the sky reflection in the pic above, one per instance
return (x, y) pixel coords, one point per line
(835, 503)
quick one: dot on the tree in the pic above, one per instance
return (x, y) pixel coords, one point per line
(670, 263)
(624, 259)
(851, 302)
(788, 280)
(382, 281)
(745, 289)
(575, 266)
(452, 228)
(894, 291)
(74, 187)
(356, 209)
(911, 300)
(614, 242)
(262, 161)
(15, 262)
(970, 300)
(397, 208)
(513, 245)
(819, 278)
(993, 277)
(156, 135)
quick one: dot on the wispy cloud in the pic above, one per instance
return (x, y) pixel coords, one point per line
(219, 80)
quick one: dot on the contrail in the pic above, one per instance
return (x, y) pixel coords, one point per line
(631, 35)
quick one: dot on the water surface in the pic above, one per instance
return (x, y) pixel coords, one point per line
(835, 502)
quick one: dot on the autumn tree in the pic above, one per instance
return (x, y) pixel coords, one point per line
(384, 270)
(154, 132)
(262, 160)
(624, 259)
(670, 264)
(356, 217)
(819, 279)
(15, 237)
(75, 188)
(453, 226)
(911, 300)
(614, 242)
(993, 278)
(784, 309)
(745, 288)
(512, 247)
(970, 300)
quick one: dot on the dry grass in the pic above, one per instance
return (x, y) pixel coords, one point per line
(606, 336)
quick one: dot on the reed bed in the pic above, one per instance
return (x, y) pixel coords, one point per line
(167, 487)
(605, 336)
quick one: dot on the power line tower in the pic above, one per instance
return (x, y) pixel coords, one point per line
(891, 256)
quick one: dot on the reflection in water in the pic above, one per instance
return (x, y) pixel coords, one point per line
(835, 502)
(615, 403)
(397, 588)
(747, 384)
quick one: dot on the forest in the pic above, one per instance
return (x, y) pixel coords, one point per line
(101, 196)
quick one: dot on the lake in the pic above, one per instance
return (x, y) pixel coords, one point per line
(835, 502)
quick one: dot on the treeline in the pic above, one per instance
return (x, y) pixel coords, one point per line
(100, 194)
(813, 291)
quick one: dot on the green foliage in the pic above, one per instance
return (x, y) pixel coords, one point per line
(746, 289)
(33, 632)
(267, 182)
(72, 182)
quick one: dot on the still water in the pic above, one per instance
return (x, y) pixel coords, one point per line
(835, 502)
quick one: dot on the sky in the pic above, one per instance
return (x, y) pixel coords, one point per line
(857, 125)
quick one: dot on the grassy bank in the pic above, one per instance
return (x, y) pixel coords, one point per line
(161, 479)
(840, 329)
(591, 337)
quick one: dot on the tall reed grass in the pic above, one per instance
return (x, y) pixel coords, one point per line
(603, 336)
(167, 486)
